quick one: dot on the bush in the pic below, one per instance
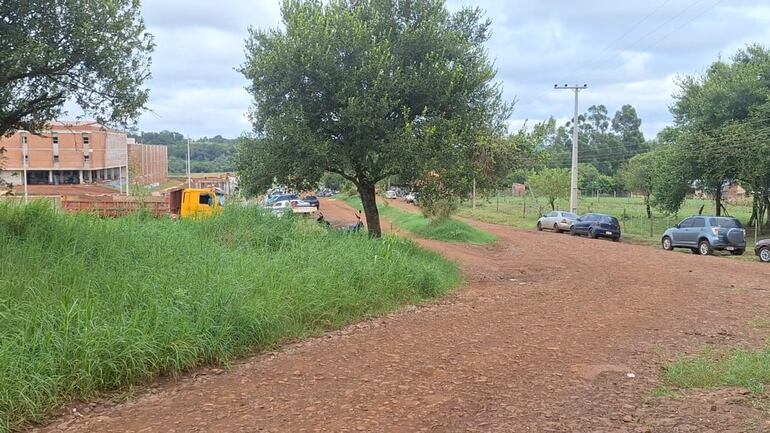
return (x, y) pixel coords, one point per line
(91, 305)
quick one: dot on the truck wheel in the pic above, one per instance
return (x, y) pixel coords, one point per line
(704, 248)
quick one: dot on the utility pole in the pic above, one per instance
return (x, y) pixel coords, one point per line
(25, 160)
(189, 176)
(573, 199)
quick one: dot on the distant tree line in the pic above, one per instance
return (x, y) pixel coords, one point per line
(207, 155)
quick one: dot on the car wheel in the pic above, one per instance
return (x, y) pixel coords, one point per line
(539, 227)
(704, 248)
(616, 239)
(556, 228)
(764, 255)
(572, 231)
(591, 234)
(667, 244)
(737, 252)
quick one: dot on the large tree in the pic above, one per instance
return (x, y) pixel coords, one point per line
(369, 89)
(93, 52)
(706, 109)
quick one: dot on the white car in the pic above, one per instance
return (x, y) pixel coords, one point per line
(391, 194)
(557, 221)
(410, 198)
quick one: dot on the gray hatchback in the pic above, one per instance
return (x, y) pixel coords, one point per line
(705, 234)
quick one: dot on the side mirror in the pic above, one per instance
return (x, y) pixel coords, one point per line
(677, 226)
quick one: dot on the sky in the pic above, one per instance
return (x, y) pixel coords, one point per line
(627, 51)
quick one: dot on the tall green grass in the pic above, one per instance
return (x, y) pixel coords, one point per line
(444, 229)
(89, 305)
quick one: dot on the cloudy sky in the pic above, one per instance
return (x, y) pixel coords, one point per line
(628, 51)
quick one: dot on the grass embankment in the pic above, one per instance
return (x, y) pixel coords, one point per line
(90, 305)
(445, 229)
(713, 369)
(524, 212)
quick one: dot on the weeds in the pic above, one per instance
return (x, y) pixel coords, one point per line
(90, 305)
(712, 369)
(442, 229)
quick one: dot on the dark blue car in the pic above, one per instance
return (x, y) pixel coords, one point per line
(596, 225)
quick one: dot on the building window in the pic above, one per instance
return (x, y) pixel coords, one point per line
(86, 139)
(55, 139)
(86, 157)
(56, 158)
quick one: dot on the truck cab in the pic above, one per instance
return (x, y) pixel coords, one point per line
(195, 202)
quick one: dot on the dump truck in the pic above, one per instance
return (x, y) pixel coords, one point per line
(184, 203)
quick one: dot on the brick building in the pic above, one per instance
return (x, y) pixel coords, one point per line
(71, 153)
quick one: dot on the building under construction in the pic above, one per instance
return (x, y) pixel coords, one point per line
(72, 153)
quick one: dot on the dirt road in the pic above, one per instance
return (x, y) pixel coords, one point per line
(549, 334)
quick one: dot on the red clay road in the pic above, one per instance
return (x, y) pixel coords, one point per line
(550, 333)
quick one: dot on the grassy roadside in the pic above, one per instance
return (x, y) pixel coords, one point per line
(447, 230)
(90, 305)
(713, 369)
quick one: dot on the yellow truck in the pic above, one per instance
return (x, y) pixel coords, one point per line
(183, 203)
(195, 202)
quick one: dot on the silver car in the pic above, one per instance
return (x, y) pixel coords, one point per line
(557, 221)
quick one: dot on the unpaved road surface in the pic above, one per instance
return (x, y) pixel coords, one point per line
(543, 337)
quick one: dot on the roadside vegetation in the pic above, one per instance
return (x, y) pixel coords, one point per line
(441, 229)
(94, 305)
(712, 369)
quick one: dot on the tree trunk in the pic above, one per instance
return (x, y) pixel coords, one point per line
(647, 204)
(369, 202)
(553, 204)
(718, 200)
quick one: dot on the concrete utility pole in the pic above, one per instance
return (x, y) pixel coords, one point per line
(573, 199)
(25, 165)
(189, 175)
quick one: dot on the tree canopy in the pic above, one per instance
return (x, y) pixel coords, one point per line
(370, 89)
(605, 143)
(721, 129)
(551, 183)
(93, 52)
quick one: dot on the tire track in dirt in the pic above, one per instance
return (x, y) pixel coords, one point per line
(541, 338)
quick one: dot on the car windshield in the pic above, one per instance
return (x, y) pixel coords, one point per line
(725, 223)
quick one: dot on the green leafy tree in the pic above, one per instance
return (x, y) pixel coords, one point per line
(368, 90)
(707, 106)
(94, 52)
(637, 176)
(671, 173)
(551, 183)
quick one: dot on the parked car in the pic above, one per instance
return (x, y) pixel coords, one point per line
(557, 221)
(272, 199)
(596, 225)
(762, 250)
(706, 234)
(391, 194)
(313, 200)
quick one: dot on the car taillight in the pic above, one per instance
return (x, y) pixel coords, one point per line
(715, 230)
(564, 221)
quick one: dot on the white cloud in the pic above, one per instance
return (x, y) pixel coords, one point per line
(605, 43)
